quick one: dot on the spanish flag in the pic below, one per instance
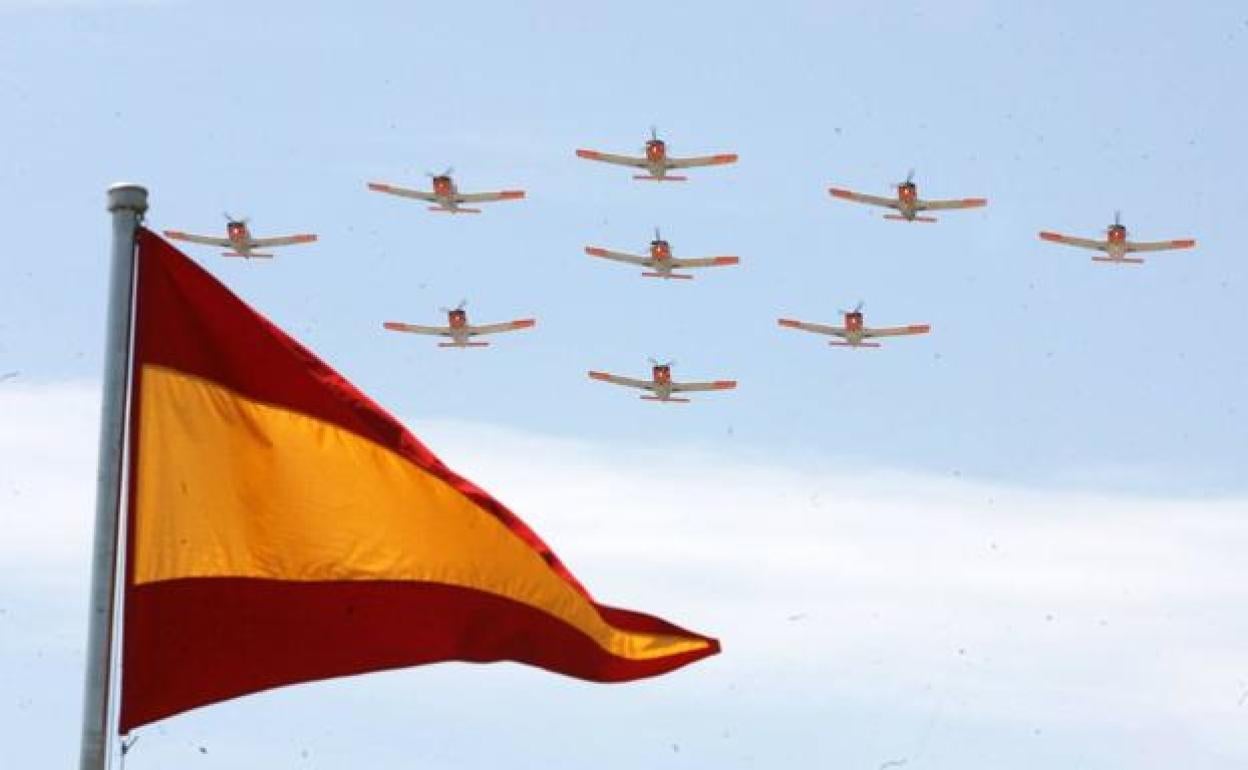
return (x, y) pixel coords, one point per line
(283, 528)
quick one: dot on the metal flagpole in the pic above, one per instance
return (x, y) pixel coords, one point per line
(127, 203)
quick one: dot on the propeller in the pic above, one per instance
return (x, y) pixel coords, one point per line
(657, 237)
(463, 303)
(857, 309)
(662, 363)
(449, 170)
(909, 179)
(1117, 218)
(654, 134)
(232, 219)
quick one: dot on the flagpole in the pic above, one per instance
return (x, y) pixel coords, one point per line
(127, 203)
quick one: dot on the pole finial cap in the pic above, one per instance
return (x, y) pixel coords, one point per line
(124, 195)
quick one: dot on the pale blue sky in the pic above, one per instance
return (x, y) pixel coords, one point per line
(1043, 369)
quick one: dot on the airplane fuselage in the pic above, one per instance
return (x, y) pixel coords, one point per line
(240, 238)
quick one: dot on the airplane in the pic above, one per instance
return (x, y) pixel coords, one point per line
(656, 161)
(458, 328)
(908, 204)
(660, 260)
(661, 385)
(445, 196)
(1116, 246)
(853, 334)
(238, 237)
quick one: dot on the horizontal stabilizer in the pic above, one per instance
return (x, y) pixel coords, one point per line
(459, 210)
(652, 178)
(837, 344)
(463, 344)
(1120, 260)
(666, 275)
(900, 218)
(668, 400)
(249, 255)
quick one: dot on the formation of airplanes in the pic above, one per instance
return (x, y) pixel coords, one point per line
(659, 261)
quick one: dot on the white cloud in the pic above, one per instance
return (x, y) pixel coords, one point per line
(970, 609)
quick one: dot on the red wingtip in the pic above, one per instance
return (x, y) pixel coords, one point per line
(727, 260)
(974, 202)
(594, 251)
(788, 322)
(305, 238)
(727, 157)
(591, 154)
(524, 323)
(725, 384)
(393, 326)
(598, 375)
(1048, 236)
(920, 328)
(378, 186)
(839, 193)
(177, 235)
(511, 194)
(1186, 243)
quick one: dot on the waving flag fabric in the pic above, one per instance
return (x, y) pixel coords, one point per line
(283, 528)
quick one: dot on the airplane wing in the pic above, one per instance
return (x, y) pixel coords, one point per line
(896, 331)
(685, 387)
(395, 326)
(1160, 245)
(403, 192)
(505, 195)
(285, 240)
(1083, 243)
(705, 262)
(870, 200)
(606, 157)
(704, 160)
(627, 382)
(204, 239)
(619, 256)
(508, 326)
(960, 203)
(837, 331)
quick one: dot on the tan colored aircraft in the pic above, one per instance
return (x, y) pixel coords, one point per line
(908, 204)
(656, 161)
(854, 334)
(238, 237)
(445, 196)
(1116, 246)
(660, 261)
(458, 328)
(661, 385)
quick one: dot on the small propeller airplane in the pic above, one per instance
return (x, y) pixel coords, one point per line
(458, 328)
(656, 161)
(238, 237)
(1116, 246)
(854, 334)
(660, 261)
(660, 384)
(908, 204)
(445, 196)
